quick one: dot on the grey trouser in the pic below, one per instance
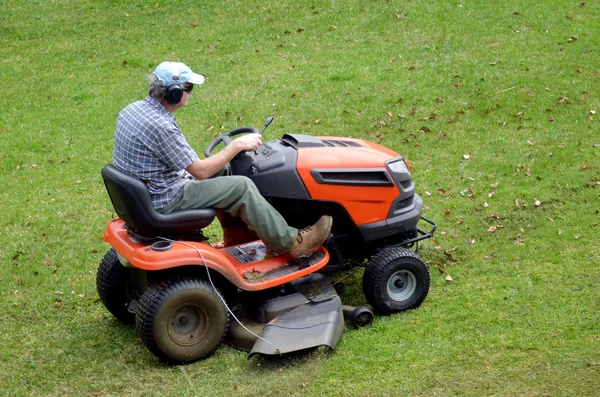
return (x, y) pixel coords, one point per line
(239, 197)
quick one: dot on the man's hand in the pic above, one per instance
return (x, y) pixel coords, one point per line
(248, 142)
(204, 169)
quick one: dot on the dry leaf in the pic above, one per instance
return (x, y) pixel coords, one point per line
(492, 229)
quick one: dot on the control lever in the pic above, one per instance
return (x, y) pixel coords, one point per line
(267, 123)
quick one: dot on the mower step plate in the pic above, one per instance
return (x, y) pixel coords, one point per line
(317, 322)
(288, 268)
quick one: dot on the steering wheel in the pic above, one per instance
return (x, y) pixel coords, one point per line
(226, 139)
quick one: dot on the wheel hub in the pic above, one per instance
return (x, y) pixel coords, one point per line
(401, 285)
(188, 325)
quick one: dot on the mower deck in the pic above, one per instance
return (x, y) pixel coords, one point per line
(311, 316)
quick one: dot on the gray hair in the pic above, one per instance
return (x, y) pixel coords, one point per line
(155, 90)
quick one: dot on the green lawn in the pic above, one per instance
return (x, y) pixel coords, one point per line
(494, 103)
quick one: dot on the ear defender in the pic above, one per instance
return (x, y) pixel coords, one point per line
(174, 92)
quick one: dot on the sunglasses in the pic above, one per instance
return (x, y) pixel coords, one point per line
(188, 88)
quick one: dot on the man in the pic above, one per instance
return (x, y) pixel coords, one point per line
(150, 145)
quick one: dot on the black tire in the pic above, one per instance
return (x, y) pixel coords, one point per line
(395, 280)
(181, 320)
(115, 287)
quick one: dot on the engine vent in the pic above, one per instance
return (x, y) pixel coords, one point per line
(405, 203)
(341, 143)
(406, 184)
(352, 177)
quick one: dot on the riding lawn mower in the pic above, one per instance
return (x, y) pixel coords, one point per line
(186, 296)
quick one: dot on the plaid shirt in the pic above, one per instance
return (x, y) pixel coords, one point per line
(150, 145)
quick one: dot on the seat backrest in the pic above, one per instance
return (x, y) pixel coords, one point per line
(132, 202)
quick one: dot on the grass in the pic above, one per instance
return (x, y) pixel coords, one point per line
(492, 102)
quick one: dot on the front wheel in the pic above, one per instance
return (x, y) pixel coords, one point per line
(395, 280)
(181, 320)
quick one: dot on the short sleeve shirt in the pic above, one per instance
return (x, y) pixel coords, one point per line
(150, 145)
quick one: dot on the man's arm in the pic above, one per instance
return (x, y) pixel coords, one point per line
(205, 168)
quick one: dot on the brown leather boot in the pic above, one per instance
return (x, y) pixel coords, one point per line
(310, 238)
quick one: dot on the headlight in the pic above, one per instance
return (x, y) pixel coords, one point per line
(399, 167)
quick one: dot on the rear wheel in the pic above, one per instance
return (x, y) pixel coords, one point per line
(115, 287)
(396, 280)
(181, 320)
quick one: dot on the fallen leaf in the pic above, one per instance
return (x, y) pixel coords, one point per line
(551, 119)
(492, 229)
(494, 185)
(573, 38)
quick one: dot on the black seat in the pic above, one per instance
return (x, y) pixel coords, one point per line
(131, 199)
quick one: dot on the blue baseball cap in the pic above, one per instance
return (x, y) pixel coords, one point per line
(169, 73)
